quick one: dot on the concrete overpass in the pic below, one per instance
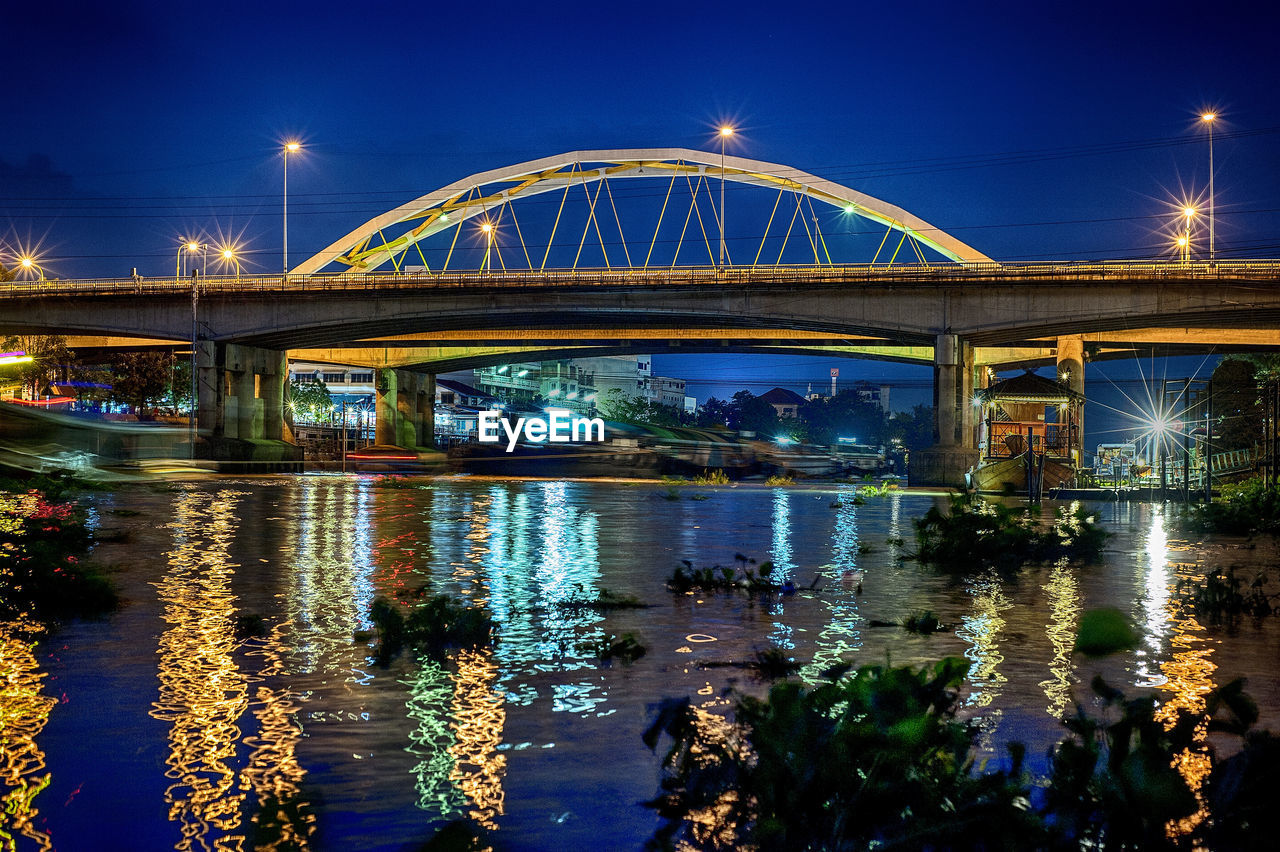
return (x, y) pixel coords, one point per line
(455, 279)
(958, 317)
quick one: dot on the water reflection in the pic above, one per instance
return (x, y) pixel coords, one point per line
(981, 629)
(24, 710)
(840, 636)
(203, 693)
(1064, 612)
(480, 715)
(1186, 672)
(784, 566)
(283, 819)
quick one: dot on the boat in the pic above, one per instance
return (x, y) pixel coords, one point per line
(1030, 436)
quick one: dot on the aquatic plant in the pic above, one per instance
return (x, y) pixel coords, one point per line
(712, 477)
(869, 759)
(1245, 508)
(43, 572)
(745, 575)
(1223, 596)
(978, 534)
(773, 663)
(924, 622)
(778, 480)
(672, 493)
(874, 758)
(603, 600)
(606, 648)
(436, 625)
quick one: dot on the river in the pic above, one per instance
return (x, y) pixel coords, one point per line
(157, 727)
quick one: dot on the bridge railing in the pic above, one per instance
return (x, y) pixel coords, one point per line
(1049, 272)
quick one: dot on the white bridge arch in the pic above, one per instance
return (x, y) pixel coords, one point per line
(485, 193)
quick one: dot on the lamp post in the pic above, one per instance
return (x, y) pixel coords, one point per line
(725, 133)
(1187, 212)
(29, 263)
(487, 228)
(1208, 118)
(229, 256)
(291, 147)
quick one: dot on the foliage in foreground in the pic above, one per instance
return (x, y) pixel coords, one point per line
(876, 759)
(1242, 509)
(43, 575)
(436, 625)
(977, 534)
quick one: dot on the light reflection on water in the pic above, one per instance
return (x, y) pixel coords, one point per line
(203, 693)
(24, 711)
(266, 737)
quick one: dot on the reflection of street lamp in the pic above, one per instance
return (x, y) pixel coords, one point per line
(1184, 247)
(291, 147)
(1208, 118)
(725, 133)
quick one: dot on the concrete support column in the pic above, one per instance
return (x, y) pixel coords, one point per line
(385, 407)
(947, 462)
(1070, 352)
(210, 386)
(246, 384)
(968, 435)
(272, 388)
(946, 360)
(426, 410)
(406, 409)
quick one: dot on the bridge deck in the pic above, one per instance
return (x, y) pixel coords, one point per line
(959, 273)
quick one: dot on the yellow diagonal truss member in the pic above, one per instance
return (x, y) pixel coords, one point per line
(450, 206)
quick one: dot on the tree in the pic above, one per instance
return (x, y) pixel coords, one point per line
(714, 412)
(620, 406)
(310, 396)
(50, 358)
(142, 379)
(913, 429)
(846, 414)
(753, 414)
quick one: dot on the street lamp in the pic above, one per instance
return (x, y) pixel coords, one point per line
(290, 147)
(190, 247)
(487, 228)
(229, 256)
(725, 132)
(30, 264)
(1208, 118)
(1184, 247)
(1185, 241)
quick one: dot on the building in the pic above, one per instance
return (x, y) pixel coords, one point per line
(785, 402)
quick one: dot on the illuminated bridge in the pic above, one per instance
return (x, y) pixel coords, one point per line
(610, 252)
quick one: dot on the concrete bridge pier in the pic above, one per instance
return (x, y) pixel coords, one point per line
(240, 405)
(405, 409)
(947, 461)
(1070, 357)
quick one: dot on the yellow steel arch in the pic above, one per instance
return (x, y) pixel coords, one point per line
(448, 206)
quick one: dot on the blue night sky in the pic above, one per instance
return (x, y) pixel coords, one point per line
(1028, 130)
